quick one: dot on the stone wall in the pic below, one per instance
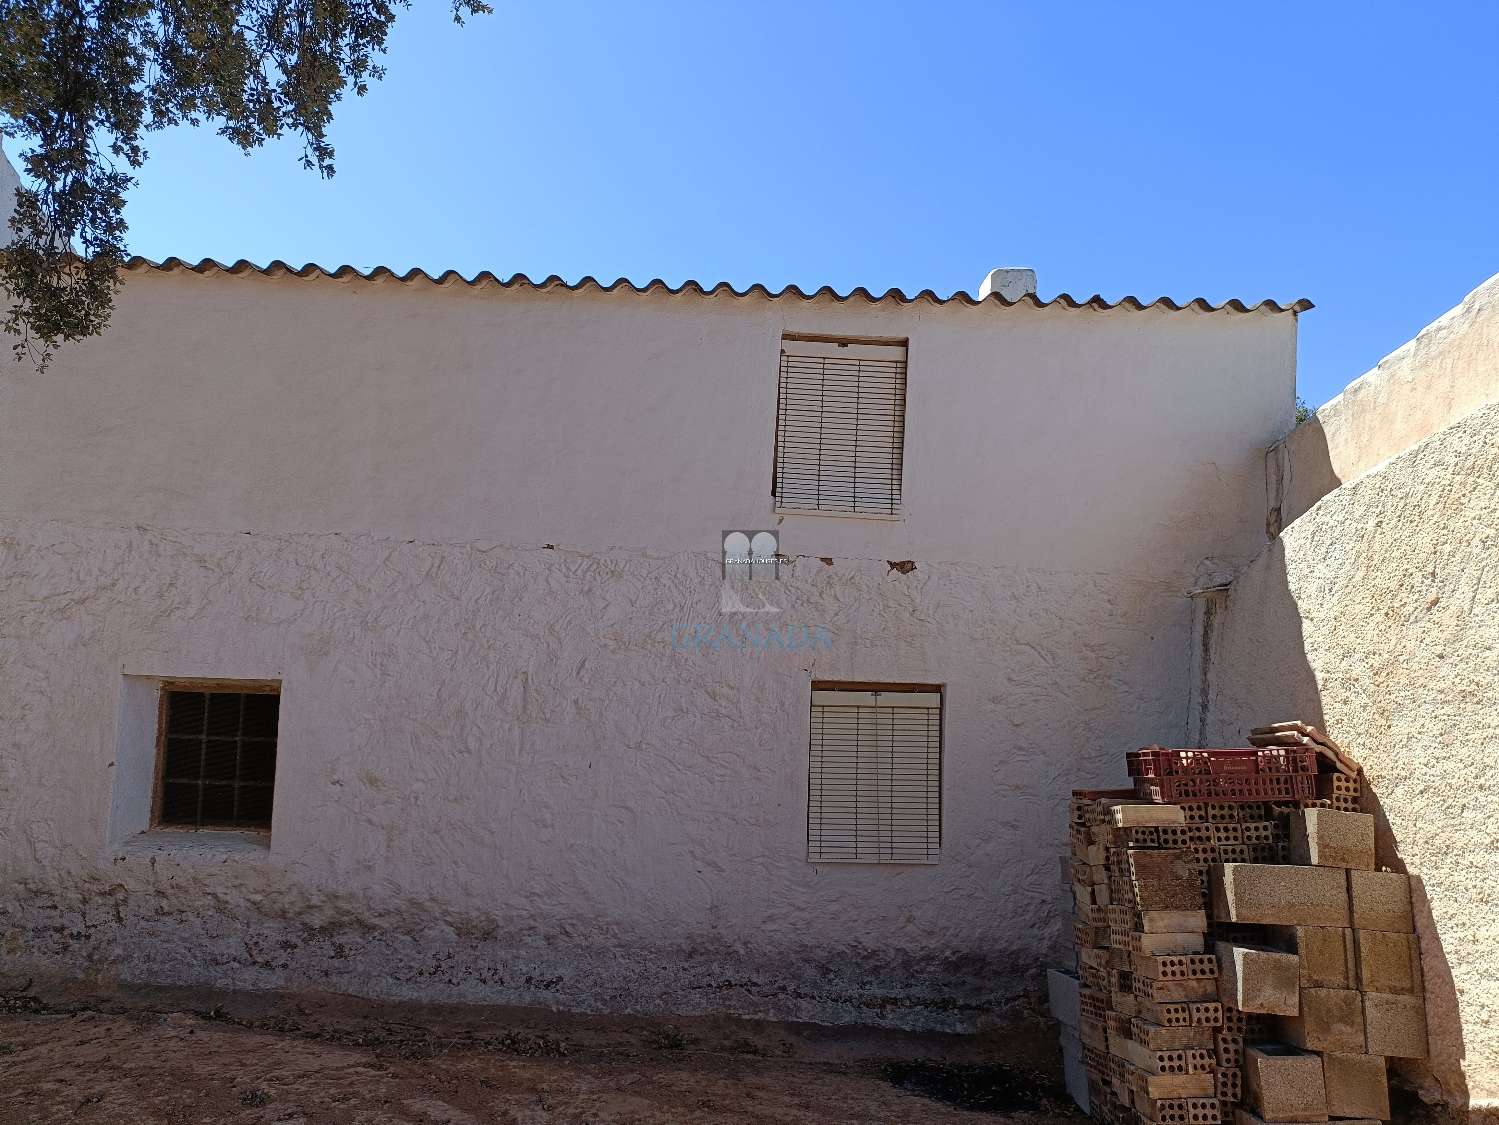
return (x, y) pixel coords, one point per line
(1376, 616)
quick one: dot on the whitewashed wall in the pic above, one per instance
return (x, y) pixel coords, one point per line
(459, 525)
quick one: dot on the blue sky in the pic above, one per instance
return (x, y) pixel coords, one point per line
(1342, 152)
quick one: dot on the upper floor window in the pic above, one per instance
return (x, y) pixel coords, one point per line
(840, 425)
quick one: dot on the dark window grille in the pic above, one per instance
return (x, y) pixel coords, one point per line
(840, 427)
(875, 776)
(218, 758)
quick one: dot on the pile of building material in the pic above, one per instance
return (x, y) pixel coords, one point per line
(1238, 956)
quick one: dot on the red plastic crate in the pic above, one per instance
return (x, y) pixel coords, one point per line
(1154, 761)
(1232, 787)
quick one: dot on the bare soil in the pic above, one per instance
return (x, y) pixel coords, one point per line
(191, 1057)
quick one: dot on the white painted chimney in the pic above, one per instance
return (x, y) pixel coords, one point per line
(1010, 282)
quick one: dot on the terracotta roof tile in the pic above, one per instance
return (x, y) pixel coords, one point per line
(279, 268)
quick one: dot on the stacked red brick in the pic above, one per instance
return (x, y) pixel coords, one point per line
(1312, 961)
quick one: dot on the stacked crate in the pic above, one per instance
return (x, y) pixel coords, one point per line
(1232, 938)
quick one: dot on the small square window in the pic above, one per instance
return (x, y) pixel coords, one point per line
(216, 765)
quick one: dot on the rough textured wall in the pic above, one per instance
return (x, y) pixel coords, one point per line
(1449, 369)
(459, 525)
(497, 781)
(1377, 613)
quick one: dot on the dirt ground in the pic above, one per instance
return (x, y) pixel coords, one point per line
(184, 1058)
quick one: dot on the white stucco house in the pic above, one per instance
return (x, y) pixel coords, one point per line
(380, 634)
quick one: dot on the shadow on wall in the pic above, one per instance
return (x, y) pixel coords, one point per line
(1298, 473)
(1259, 670)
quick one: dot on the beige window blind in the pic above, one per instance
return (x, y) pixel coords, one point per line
(840, 426)
(875, 780)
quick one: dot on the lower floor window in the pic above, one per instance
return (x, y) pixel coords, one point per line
(874, 790)
(217, 755)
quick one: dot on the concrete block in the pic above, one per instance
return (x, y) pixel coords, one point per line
(1279, 895)
(1064, 991)
(1327, 956)
(1326, 838)
(1242, 1116)
(1075, 1071)
(1331, 1019)
(1388, 963)
(1357, 1086)
(1255, 979)
(1395, 1025)
(1381, 900)
(1164, 879)
(1284, 1084)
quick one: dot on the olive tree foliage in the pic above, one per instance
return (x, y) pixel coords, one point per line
(81, 83)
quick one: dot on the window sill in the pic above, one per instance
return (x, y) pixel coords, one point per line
(189, 845)
(874, 862)
(815, 514)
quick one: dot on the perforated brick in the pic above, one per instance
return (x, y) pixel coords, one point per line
(1165, 943)
(1228, 834)
(1230, 1084)
(1167, 1014)
(1176, 966)
(1196, 1085)
(1164, 879)
(1338, 785)
(1188, 989)
(1257, 832)
(1229, 1049)
(1173, 835)
(1092, 1004)
(1180, 1111)
(1157, 1038)
(1207, 1014)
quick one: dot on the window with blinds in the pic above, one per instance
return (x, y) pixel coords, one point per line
(217, 763)
(840, 425)
(875, 779)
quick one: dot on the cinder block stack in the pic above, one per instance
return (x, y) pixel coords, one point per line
(1238, 956)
